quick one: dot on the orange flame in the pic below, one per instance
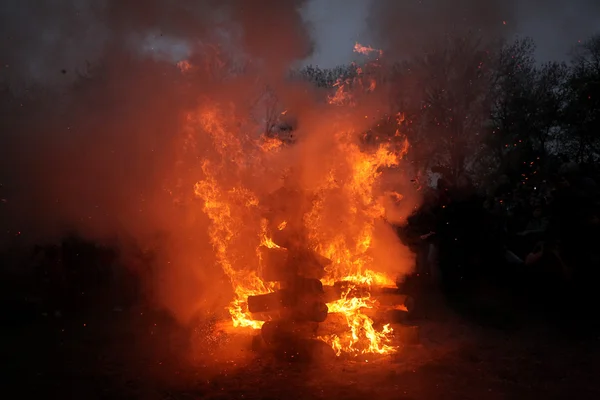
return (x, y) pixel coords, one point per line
(348, 249)
(366, 50)
(184, 66)
(339, 225)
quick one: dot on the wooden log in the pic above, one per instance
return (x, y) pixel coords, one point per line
(331, 294)
(306, 257)
(287, 237)
(335, 324)
(270, 302)
(279, 264)
(300, 286)
(383, 295)
(274, 264)
(310, 311)
(270, 332)
(394, 315)
(268, 315)
(305, 303)
(258, 344)
(307, 263)
(398, 301)
(385, 315)
(360, 290)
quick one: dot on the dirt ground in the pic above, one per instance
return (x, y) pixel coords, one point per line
(134, 354)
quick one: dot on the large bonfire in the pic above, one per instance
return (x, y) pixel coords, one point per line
(334, 216)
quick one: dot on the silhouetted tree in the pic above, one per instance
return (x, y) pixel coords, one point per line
(528, 103)
(582, 114)
(445, 97)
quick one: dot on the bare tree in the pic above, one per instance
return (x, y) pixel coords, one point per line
(445, 94)
(582, 114)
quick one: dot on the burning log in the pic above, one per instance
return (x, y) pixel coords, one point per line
(270, 302)
(311, 311)
(287, 238)
(372, 291)
(301, 285)
(274, 264)
(258, 344)
(312, 264)
(349, 289)
(335, 324)
(280, 264)
(296, 291)
(331, 294)
(366, 290)
(386, 297)
(267, 315)
(393, 314)
(398, 301)
(300, 301)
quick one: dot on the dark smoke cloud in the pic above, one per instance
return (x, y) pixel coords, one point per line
(39, 39)
(92, 109)
(403, 28)
(91, 91)
(273, 30)
(52, 43)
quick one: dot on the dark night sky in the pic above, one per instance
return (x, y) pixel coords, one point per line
(555, 25)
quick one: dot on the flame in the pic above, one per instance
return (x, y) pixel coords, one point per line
(228, 207)
(217, 205)
(270, 144)
(366, 50)
(342, 95)
(339, 224)
(362, 337)
(184, 66)
(348, 249)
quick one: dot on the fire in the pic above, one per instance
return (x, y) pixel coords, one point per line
(339, 224)
(222, 233)
(184, 66)
(349, 249)
(366, 50)
(362, 337)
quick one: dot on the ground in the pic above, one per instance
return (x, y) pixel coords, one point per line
(134, 354)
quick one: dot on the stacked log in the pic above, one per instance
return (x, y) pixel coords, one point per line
(282, 264)
(293, 312)
(335, 324)
(297, 313)
(389, 306)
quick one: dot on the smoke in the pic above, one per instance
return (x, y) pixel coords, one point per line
(407, 27)
(273, 32)
(99, 139)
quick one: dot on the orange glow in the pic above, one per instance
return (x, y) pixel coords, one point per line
(339, 223)
(184, 66)
(366, 50)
